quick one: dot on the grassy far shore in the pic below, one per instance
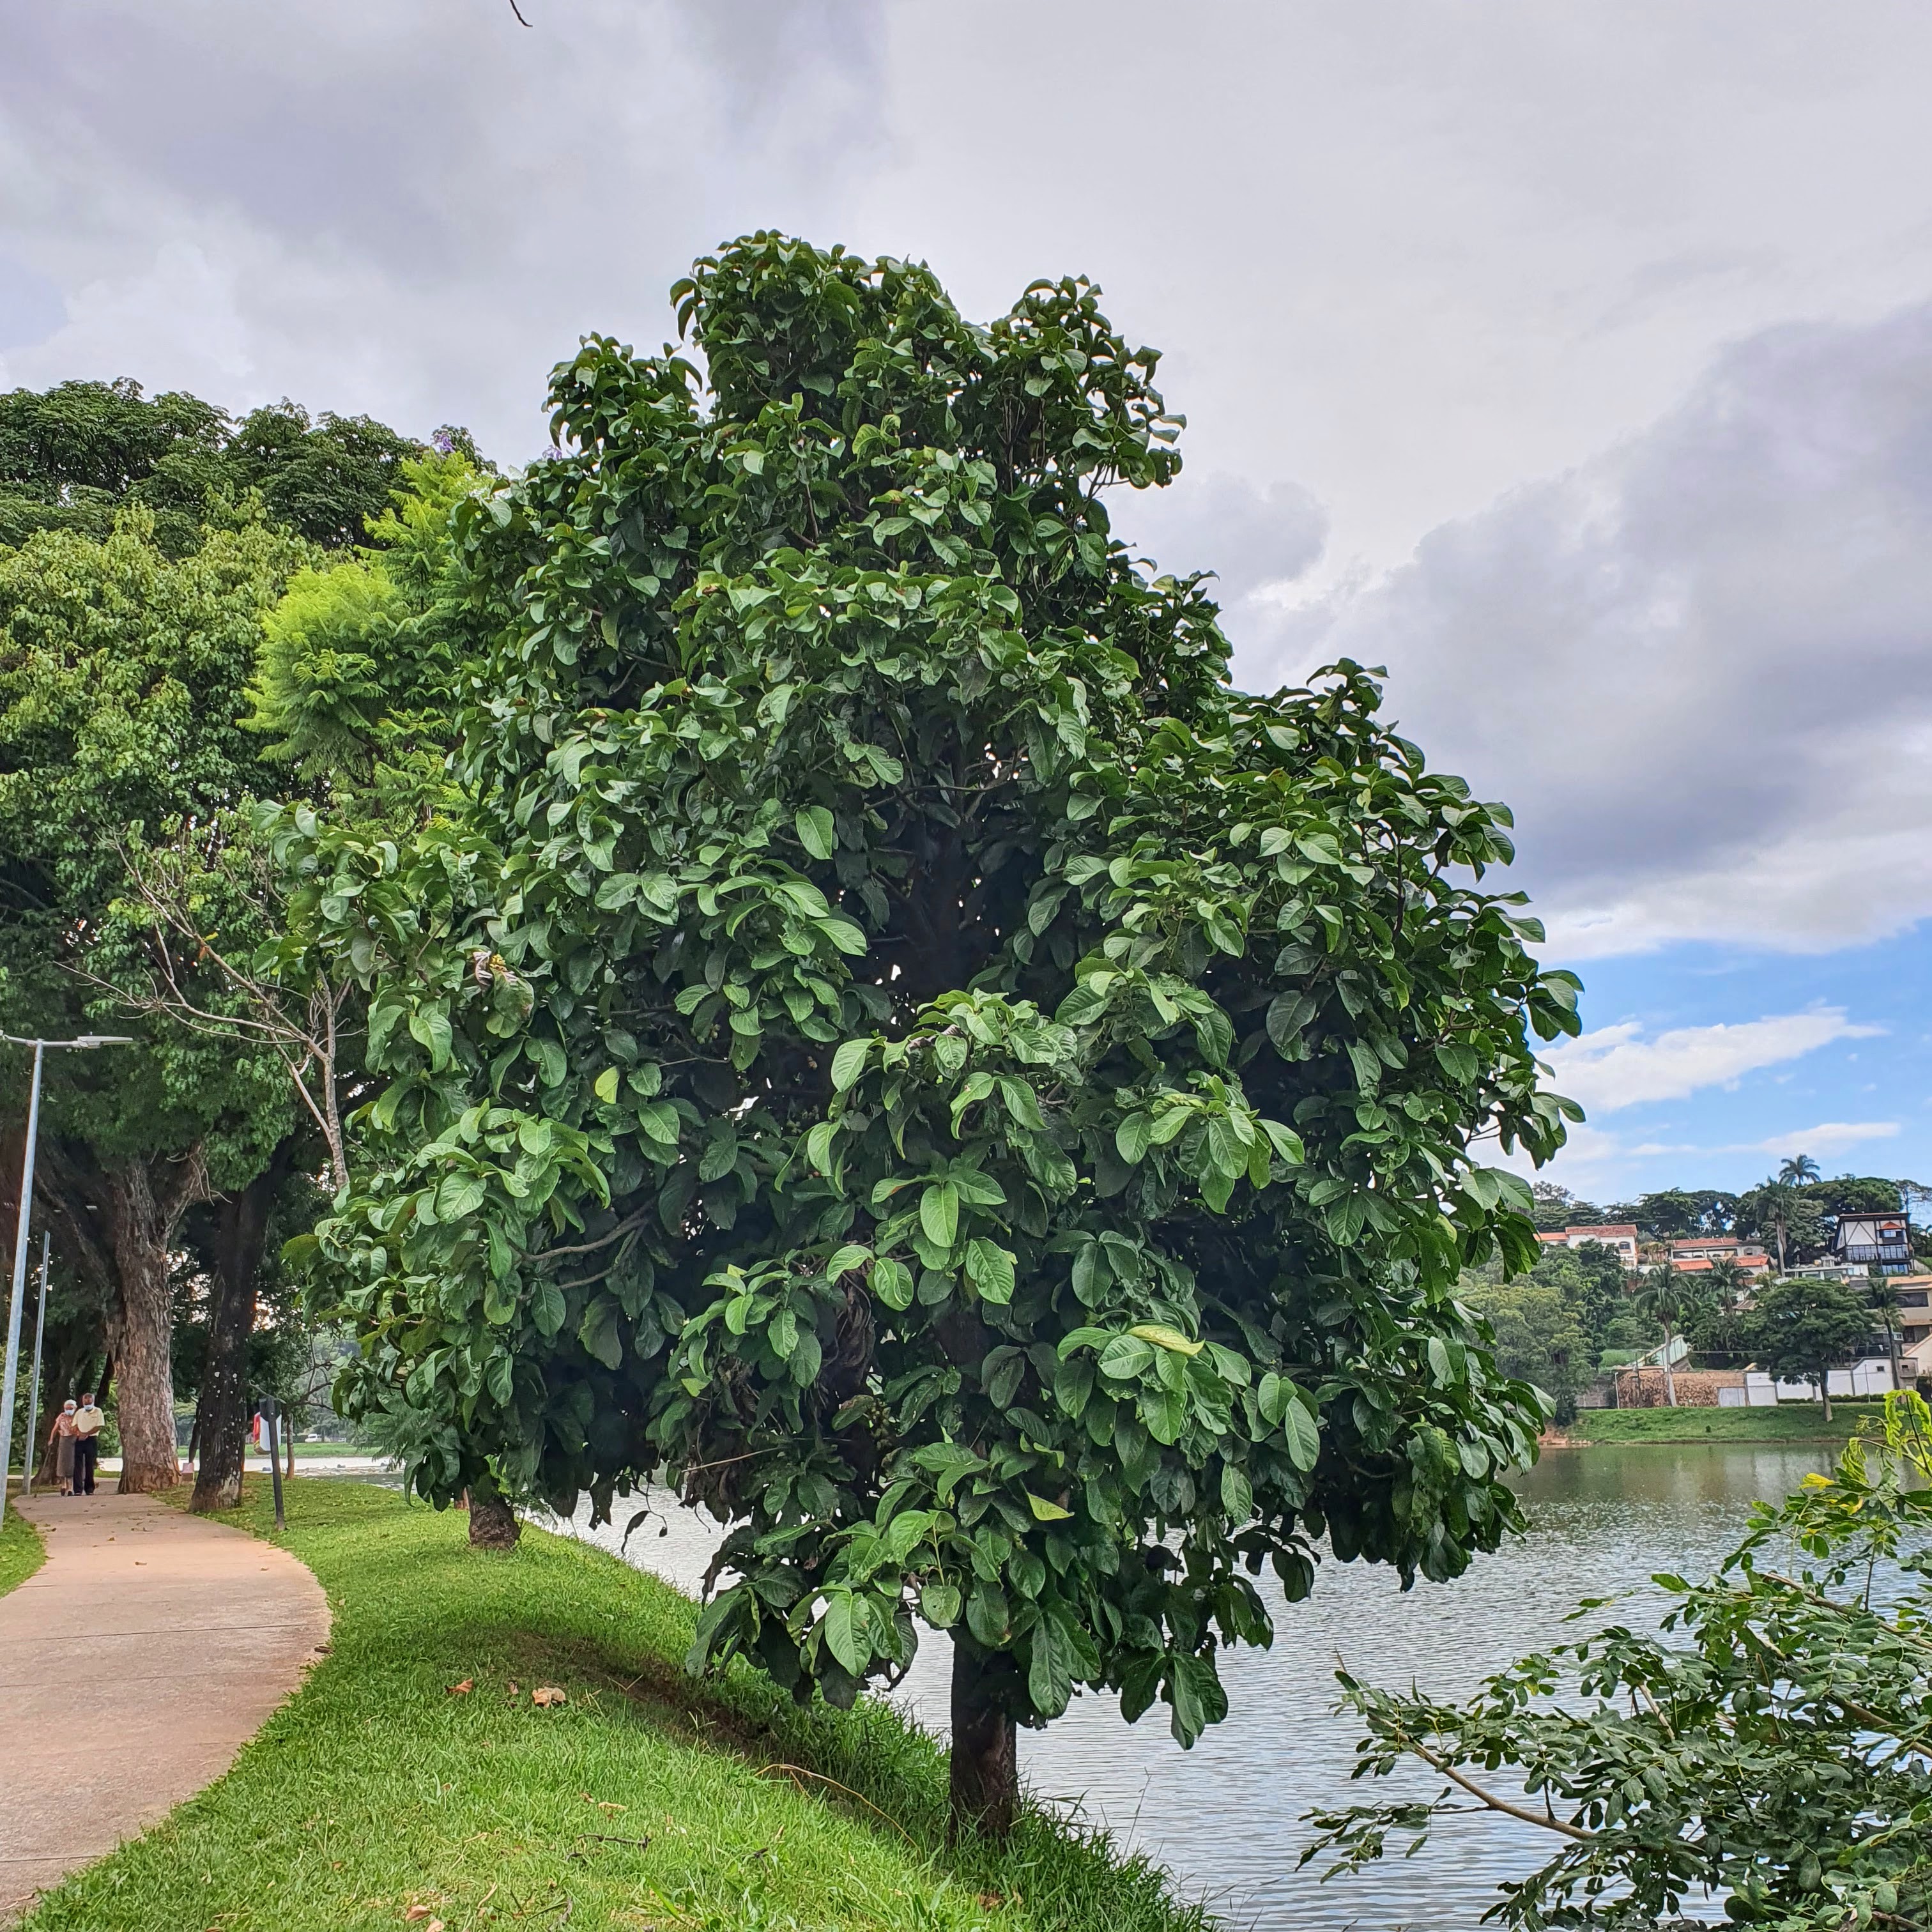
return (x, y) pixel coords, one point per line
(1788, 1422)
(22, 1551)
(645, 1802)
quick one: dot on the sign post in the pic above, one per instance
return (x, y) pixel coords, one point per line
(275, 1459)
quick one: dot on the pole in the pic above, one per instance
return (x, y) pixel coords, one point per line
(13, 1370)
(33, 1386)
(275, 1460)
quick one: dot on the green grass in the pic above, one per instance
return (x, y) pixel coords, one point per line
(22, 1551)
(1788, 1422)
(374, 1789)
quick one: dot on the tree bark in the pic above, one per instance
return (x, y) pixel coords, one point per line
(221, 1416)
(1824, 1389)
(493, 1522)
(986, 1786)
(147, 1199)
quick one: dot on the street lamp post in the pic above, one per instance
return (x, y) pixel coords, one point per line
(11, 1375)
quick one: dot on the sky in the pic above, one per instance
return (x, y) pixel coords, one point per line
(1574, 362)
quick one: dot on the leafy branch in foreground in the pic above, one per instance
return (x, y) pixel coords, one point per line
(1780, 1761)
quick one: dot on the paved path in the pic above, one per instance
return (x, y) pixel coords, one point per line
(134, 1664)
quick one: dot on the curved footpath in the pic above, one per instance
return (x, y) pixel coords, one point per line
(134, 1664)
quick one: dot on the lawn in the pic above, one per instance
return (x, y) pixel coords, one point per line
(1788, 1422)
(379, 1796)
(22, 1553)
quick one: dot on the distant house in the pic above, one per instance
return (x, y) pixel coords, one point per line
(1622, 1236)
(1863, 1239)
(1695, 1256)
(1915, 1319)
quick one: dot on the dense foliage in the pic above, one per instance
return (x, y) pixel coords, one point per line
(896, 1042)
(72, 457)
(1771, 1750)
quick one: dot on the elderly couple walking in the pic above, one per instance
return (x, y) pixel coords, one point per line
(76, 1438)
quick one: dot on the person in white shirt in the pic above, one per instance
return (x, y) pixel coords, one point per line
(87, 1426)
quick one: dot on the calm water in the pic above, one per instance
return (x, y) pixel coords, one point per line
(1225, 1816)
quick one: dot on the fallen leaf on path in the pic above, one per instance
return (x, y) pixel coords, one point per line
(463, 1689)
(548, 1694)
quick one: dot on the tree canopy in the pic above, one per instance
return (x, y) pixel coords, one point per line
(895, 1041)
(120, 671)
(72, 456)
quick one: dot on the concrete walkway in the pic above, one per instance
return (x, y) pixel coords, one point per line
(134, 1664)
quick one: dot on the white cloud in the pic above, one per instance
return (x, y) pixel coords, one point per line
(1699, 667)
(1615, 1066)
(1827, 1137)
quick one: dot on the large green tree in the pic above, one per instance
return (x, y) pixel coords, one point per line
(73, 456)
(121, 672)
(897, 1044)
(1800, 1330)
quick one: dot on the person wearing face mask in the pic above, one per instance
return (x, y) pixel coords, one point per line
(62, 1435)
(87, 1426)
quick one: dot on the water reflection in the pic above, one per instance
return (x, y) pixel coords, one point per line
(1225, 1817)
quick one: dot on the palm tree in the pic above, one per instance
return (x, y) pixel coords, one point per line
(1662, 1296)
(1799, 1169)
(1730, 1285)
(1775, 1197)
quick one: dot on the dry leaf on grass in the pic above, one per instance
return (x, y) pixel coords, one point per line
(463, 1689)
(548, 1694)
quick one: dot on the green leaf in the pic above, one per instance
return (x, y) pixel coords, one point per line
(848, 1062)
(815, 831)
(430, 1025)
(1304, 1439)
(1125, 1357)
(1130, 1137)
(605, 1086)
(842, 1636)
(892, 1282)
(853, 1255)
(939, 1603)
(1045, 1511)
(546, 1307)
(1049, 1668)
(598, 1333)
(991, 1269)
(1237, 1495)
(939, 1214)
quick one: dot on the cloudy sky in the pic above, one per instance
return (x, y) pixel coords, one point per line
(1575, 362)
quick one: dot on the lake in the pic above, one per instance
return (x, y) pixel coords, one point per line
(1225, 1817)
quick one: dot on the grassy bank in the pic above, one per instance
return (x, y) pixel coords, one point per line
(22, 1553)
(645, 1802)
(1788, 1422)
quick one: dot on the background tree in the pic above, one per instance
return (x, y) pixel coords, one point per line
(356, 683)
(119, 668)
(1801, 1330)
(894, 1042)
(72, 457)
(1540, 1335)
(1665, 1295)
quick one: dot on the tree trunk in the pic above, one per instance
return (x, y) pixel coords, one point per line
(221, 1416)
(493, 1523)
(986, 1786)
(147, 1205)
(1669, 1377)
(1824, 1389)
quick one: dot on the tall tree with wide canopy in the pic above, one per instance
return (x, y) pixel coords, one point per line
(898, 1044)
(122, 672)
